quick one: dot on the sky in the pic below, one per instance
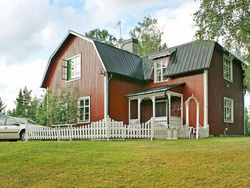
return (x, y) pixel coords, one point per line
(32, 29)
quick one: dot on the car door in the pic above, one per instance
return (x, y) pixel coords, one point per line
(11, 129)
(2, 127)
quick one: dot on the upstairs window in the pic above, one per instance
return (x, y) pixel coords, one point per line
(227, 68)
(228, 110)
(72, 68)
(160, 70)
(84, 110)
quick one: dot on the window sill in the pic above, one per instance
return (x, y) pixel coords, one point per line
(228, 121)
(156, 82)
(83, 122)
(73, 80)
(231, 81)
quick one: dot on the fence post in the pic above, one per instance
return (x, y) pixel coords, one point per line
(107, 122)
(58, 132)
(70, 132)
(152, 128)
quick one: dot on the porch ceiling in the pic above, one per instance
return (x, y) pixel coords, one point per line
(154, 90)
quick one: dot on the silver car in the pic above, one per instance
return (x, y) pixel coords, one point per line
(13, 128)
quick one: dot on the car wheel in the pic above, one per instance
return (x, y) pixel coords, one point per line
(22, 135)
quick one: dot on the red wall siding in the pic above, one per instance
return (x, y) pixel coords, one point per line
(193, 85)
(118, 87)
(218, 88)
(91, 83)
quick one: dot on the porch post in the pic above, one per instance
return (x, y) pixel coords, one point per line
(139, 110)
(197, 120)
(187, 113)
(153, 101)
(169, 107)
(129, 110)
(182, 110)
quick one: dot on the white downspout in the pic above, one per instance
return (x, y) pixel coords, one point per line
(205, 86)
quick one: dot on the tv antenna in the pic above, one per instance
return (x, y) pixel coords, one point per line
(119, 23)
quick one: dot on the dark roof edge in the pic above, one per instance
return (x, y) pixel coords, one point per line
(186, 72)
(149, 91)
(117, 48)
(127, 76)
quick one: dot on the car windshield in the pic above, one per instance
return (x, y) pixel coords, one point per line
(31, 122)
(22, 120)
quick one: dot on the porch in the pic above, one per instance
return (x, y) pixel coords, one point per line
(164, 104)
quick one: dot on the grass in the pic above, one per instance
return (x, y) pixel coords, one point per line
(212, 162)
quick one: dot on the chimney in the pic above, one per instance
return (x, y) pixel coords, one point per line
(130, 45)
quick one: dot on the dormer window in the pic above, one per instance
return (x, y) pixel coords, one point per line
(227, 68)
(160, 70)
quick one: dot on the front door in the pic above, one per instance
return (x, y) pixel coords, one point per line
(146, 110)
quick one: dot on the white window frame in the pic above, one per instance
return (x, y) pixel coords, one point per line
(161, 69)
(84, 106)
(228, 67)
(80, 69)
(231, 109)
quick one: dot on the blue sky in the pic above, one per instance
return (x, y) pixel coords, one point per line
(32, 29)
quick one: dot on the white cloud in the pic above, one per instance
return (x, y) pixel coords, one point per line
(16, 77)
(177, 23)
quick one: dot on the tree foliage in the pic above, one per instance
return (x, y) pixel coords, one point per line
(102, 36)
(59, 108)
(23, 103)
(149, 36)
(227, 21)
(2, 106)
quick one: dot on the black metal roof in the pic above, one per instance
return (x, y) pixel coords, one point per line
(188, 57)
(154, 90)
(185, 58)
(120, 62)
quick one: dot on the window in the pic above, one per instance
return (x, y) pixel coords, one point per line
(160, 70)
(11, 121)
(84, 110)
(160, 108)
(227, 68)
(72, 69)
(228, 110)
(2, 121)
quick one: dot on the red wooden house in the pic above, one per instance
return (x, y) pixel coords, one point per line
(127, 87)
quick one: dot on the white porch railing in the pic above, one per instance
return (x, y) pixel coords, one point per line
(109, 129)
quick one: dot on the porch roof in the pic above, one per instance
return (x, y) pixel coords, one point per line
(154, 90)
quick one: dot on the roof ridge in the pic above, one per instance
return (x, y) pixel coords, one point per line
(117, 48)
(177, 46)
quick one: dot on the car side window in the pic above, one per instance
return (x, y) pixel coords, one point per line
(2, 121)
(11, 121)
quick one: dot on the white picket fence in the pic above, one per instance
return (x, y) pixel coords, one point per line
(108, 129)
(104, 129)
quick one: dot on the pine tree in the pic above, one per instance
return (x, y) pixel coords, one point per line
(2, 106)
(149, 36)
(19, 111)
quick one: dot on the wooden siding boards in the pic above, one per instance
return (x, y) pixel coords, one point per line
(91, 83)
(218, 88)
(118, 88)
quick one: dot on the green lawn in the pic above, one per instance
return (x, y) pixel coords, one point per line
(212, 162)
